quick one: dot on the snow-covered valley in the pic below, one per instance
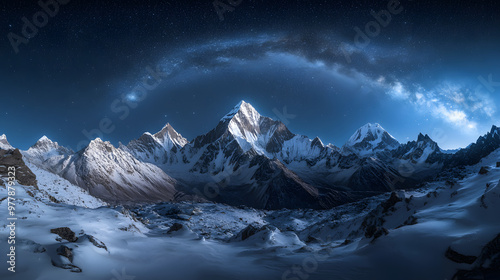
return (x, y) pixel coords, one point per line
(404, 235)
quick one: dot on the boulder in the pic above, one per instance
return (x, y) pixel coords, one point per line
(484, 170)
(65, 252)
(248, 231)
(24, 175)
(96, 242)
(65, 233)
(175, 227)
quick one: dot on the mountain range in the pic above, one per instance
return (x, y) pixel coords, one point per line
(252, 160)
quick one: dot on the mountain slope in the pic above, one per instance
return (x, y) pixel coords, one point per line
(160, 148)
(107, 173)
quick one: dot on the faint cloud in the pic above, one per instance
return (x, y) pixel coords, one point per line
(398, 91)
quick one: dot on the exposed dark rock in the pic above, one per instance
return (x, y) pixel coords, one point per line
(65, 233)
(251, 230)
(477, 274)
(71, 267)
(14, 158)
(486, 266)
(484, 170)
(96, 242)
(490, 255)
(459, 258)
(65, 252)
(248, 231)
(388, 204)
(312, 239)
(53, 199)
(379, 232)
(175, 227)
(483, 203)
(346, 242)
(412, 220)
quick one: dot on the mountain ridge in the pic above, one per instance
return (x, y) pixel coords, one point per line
(253, 152)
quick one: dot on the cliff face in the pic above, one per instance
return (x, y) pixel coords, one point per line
(14, 158)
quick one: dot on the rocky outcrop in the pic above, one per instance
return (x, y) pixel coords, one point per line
(65, 233)
(454, 256)
(486, 265)
(14, 158)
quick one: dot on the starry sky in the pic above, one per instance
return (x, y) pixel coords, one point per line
(115, 69)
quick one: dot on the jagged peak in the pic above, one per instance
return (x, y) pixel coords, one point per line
(244, 109)
(99, 142)
(167, 129)
(494, 129)
(4, 144)
(317, 142)
(44, 139)
(422, 137)
(169, 134)
(98, 145)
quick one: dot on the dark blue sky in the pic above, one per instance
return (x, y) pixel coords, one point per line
(426, 71)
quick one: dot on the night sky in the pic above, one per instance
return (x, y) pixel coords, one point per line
(432, 68)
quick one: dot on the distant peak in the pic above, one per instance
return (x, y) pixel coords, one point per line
(244, 108)
(97, 141)
(374, 125)
(44, 139)
(369, 138)
(167, 129)
(369, 130)
(422, 137)
(317, 142)
(168, 137)
(4, 144)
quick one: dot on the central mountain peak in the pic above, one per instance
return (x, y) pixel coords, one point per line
(250, 130)
(370, 138)
(243, 111)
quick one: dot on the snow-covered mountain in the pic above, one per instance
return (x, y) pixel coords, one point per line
(448, 226)
(4, 144)
(159, 148)
(105, 172)
(420, 151)
(484, 145)
(369, 139)
(249, 159)
(47, 153)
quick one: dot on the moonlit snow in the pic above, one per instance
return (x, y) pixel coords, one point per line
(328, 244)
